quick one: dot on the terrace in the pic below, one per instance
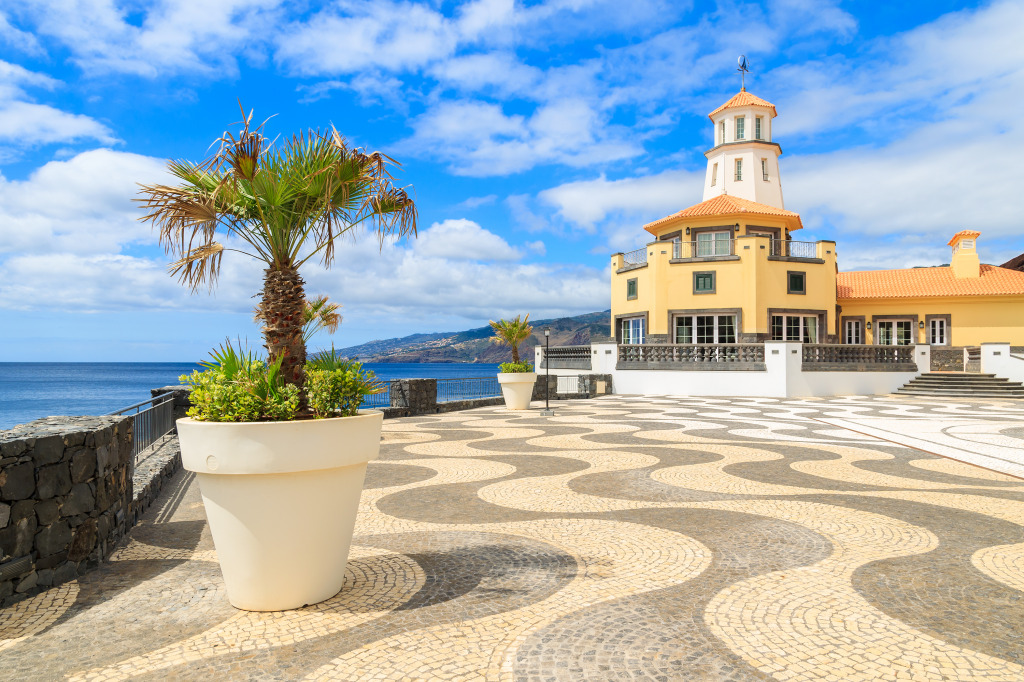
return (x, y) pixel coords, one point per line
(654, 537)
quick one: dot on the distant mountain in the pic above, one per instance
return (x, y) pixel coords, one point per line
(473, 345)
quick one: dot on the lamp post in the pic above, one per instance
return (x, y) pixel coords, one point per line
(547, 412)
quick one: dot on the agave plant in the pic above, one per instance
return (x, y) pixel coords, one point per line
(282, 205)
(511, 333)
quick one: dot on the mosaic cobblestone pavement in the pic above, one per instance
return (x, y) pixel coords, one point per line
(624, 538)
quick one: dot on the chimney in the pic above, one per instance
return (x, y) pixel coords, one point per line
(965, 263)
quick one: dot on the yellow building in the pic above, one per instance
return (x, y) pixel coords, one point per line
(729, 270)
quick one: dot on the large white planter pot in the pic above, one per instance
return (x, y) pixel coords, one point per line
(517, 388)
(281, 499)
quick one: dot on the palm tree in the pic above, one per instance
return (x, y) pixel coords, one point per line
(281, 205)
(511, 333)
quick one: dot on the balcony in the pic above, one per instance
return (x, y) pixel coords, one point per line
(719, 249)
(634, 259)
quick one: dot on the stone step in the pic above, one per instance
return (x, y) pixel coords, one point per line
(967, 384)
(960, 394)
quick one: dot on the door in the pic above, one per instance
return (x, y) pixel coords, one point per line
(895, 333)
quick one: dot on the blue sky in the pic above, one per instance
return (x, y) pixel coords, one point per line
(538, 138)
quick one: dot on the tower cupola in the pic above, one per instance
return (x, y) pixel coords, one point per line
(744, 161)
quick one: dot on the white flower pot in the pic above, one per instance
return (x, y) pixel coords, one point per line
(517, 388)
(281, 499)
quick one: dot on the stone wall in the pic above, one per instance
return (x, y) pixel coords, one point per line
(588, 387)
(65, 490)
(947, 359)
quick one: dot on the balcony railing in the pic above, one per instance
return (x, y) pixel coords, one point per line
(852, 357)
(786, 248)
(694, 249)
(692, 356)
(634, 259)
(566, 357)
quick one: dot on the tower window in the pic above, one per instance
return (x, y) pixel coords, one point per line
(631, 289)
(764, 169)
(739, 169)
(757, 128)
(740, 121)
(721, 132)
(714, 174)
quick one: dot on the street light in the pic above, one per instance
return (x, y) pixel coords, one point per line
(547, 412)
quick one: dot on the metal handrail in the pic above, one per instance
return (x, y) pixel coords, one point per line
(152, 423)
(638, 257)
(467, 388)
(788, 248)
(695, 249)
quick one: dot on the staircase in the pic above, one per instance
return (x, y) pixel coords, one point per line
(962, 385)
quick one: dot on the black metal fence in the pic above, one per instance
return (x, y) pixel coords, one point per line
(153, 419)
(467, 389)
(378, 399)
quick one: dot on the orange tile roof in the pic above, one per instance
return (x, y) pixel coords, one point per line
(963, 234)
(928, 282)
(744, 99)
(725, 204)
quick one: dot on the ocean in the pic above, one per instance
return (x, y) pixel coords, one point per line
(30, 390)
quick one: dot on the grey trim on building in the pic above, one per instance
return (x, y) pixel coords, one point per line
(789, 282)
(714, 282)
(625, 316)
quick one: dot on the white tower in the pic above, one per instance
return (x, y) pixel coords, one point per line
(744, 161)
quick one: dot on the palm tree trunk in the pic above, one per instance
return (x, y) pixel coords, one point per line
(282, 310)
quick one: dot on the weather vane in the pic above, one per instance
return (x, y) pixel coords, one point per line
(742, 61)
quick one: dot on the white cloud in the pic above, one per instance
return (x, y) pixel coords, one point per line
(586, 203)
(82, 205)
(477, 202)
(460, 240)
(19, 40)
(479, 139)
(171, 36)
(24, 123)
(355, 36)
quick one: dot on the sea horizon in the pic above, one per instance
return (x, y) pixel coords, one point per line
(33, 390)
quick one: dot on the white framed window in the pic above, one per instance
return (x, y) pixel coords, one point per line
(714, 174)
(853, 332)
(740, 124)
(634, 330)
(937, 332)
(714, 244)
(764, 169)
(801, 328)
(739, 169)
(721, 132)
(757, 128)
(706, 329)
(894, 332)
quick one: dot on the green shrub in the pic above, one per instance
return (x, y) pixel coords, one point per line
(516, 367)
(238, 387)
(336, 387)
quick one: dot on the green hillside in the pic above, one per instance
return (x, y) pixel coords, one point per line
(473, 345)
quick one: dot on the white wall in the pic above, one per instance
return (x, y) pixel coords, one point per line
(996, 359)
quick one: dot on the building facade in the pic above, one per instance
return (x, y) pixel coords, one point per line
(732, 269)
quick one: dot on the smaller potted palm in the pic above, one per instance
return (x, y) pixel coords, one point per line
(517, 378)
